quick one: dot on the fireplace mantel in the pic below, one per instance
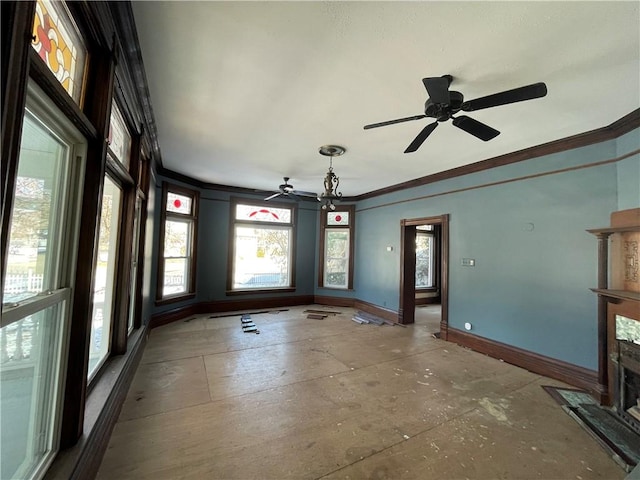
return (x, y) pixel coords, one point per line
(618, 291)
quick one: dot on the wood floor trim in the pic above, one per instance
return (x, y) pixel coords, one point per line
(200, 308)
(549, 367)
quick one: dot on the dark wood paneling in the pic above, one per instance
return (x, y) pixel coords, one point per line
(549, 367)
(333, 301)
(428, 301)
(172, 315)
(227, 306)
(407, 272)
(376, 310)
(98, 106)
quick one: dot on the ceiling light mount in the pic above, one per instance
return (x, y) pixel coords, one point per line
(331, 181)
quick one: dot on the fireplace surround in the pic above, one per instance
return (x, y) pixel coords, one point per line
(619, 316)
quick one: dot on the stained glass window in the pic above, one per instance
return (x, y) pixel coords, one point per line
(60, 46)
(263, 214)
(338, 218)
(178, 203)
(119, 138)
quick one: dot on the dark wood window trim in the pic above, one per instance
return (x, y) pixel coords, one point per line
(351, 209)
(193, 217)
(292, 254)
(98, 22)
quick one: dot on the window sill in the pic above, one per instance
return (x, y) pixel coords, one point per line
(260, 290)
(426, 289)
(338, 289)
(175, 299)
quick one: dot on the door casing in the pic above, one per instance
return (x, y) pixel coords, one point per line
(406, 313)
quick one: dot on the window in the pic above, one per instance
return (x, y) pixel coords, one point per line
(34, 325)
(425, 257)
(133, 268)
(104, 279)
(178, 234)
(262, 246)
(119, 137)
(336, 247)
(59, 45)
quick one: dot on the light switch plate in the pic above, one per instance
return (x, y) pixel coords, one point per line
(468, 262)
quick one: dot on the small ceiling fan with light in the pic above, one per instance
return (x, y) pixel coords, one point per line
(443, 104)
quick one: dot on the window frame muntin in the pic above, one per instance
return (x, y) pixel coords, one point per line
(292, 225)
(164, 215)
(351, 209)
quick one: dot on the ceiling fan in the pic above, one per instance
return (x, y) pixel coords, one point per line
(287, 190)
(443, 103)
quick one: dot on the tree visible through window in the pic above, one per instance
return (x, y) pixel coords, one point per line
(262, 246)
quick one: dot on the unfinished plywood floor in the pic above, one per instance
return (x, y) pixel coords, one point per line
(332, 399)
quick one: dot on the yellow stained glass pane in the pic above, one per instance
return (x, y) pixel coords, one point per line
(59, 45)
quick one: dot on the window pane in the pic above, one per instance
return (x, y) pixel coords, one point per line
(261, 257)
(336, 267)
(119, 138)
(176, 275)
(338, 218)
(263, 214)
(36, 218)
(29, 368)
(177, 238)
(178, 203)
(59, 45)
(424, 261)
(177, 250)
(105, 275)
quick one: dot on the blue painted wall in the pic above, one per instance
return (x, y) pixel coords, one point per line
(629, 171)
(535, 262)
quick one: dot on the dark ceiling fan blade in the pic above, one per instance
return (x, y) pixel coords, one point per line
(528, 92)
(302, 193)
(273, 196)
(475, 128)
(292, 195)
(422, 136)
(391, 122)
(438, 89)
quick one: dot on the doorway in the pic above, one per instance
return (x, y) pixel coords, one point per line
(434, 274)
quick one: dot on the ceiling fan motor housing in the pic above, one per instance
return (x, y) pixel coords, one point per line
(443, 111)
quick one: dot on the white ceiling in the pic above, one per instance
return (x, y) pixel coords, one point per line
(245, 93)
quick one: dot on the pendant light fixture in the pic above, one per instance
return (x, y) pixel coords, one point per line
(331, 181)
